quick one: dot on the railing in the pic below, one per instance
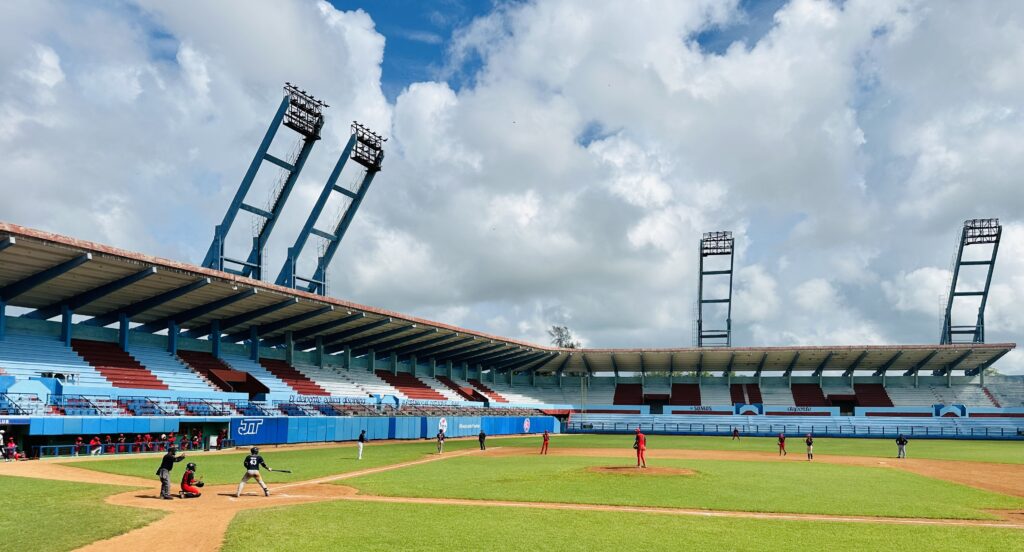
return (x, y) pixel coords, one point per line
(148, 408)
(821, 430)
(13, 408)
(104, 449)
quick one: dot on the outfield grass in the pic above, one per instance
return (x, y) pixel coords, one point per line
(442, 527)
(1007, 452)
(719, 485)
(50, 515)
(305, 464)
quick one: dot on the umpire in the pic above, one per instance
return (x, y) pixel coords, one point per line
(166, 465)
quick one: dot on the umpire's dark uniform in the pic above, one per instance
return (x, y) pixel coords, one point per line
(166, 465)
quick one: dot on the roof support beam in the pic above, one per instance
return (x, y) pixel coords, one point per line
(792, 364)
(425, 344)
(860, 358)
(952, 365)
(586, 364)
(824, 364)
(466, 355)
(508, 357)
(442, 348)
(512, 365)
(728, 367)
(388, 346)
(535, 365)
(498, 355)
(29, 282)
(352, 332)
(196, 312)
(615, 365)
(309, 334)
(364, 342)
(86, 297)
(643, 372)
(888, 364)
(760, 365)
(561, 365)
(140, 307)
(700, 365)
(271, 327)
(984, 366)
(240, 319)
(921, 364)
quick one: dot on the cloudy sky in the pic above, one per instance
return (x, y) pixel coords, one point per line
(552, 162)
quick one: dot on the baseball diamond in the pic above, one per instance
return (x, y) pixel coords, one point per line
(580, 275)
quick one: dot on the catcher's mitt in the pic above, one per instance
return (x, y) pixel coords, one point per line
(200, 484)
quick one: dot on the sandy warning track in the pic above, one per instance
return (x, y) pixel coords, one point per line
(208, 517)
(1001, 478)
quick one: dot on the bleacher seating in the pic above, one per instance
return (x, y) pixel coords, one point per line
(1008, 392)
(809, 394)
(776, 393)
(442, 388)
(292, 377)
(26, 404)
(871, 394)
(685, 394)
(151, 406)
(628, 393)
(372, 384)
(927, 395)
(717, 395)
(120, 368)
(253, 368)
(754, 394)
(202, 407)
(410, 386)
(487, 391)
(220, 374)
(334, 381)
(27, 355)
(737, 394)
(465, 392)
(165, 366)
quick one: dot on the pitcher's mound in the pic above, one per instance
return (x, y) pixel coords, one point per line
(633, 470)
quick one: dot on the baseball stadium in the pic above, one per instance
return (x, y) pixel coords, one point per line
(364, 425)
(135, 390)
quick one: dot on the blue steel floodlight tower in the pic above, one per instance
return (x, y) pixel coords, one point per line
(366, 148)
(714, 244)
(302, 113)
(975, 232)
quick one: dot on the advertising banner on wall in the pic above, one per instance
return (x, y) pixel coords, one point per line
(258, 431)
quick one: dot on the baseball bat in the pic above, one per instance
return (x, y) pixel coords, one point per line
(284, 471)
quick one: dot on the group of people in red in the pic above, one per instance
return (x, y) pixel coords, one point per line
(639, 444)
(142, 443)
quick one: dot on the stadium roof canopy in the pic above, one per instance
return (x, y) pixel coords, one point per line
(53, 275)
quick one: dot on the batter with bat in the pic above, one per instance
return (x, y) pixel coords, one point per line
(252, 465)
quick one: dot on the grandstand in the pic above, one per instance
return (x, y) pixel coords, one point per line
(90, 331)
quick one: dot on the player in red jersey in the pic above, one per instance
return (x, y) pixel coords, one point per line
(189, 485)
(547, 439)
(782, 444)
(640, 444)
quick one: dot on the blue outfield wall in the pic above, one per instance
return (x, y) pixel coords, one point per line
(275, 430)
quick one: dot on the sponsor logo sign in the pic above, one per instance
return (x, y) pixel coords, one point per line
(526, 425)
(249, 426)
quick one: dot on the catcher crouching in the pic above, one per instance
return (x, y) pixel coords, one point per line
(189, 485)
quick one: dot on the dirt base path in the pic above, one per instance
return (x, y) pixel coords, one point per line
(1001, 478)
(208, 517)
